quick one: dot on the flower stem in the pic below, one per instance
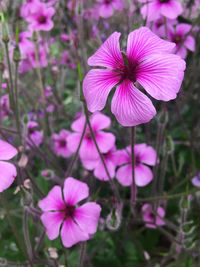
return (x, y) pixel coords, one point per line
(16, 102)
(82, 254)
(133, 186)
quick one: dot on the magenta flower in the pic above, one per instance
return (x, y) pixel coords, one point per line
(88, 152)
(74, 223)
(8, 171)
(148, 61)
(40, 20)
(143, 175)
(106, 7)
(150, 218)
(154, 9)
(60, 144)
(33, 133)
(181, 38)
(29, 8)
(196, 180)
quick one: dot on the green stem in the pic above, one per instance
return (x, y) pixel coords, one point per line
(82, 254)
(133, 186)
(11, 91)
(16, 102)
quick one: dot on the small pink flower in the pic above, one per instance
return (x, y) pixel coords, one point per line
(148, 61)
(60, 144)
(74, 223)
(154, 9)
(88, 152)
(150, 218)
(5, 107)
(8, 171)
(196, 180)
(106, 7)
(143, 175)
(33, 133)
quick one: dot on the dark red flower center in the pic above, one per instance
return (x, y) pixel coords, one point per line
(129, 69)
(69, 211)
(152, 216)
(88, 135)
(177, 39)
(164, 1)
(62, 143)
(42, 19)
(32, 130)
(107, 1)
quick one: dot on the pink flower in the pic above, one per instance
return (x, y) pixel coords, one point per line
(33, 133)
(74, 223)
(148, 61)
(60, 144)
(29, 8)
(5, 107)
(40, 20)
(196, 180)
(154, 9)
(88, 152)
(150, 218)
(8, 171)
(181, 38)
(143, 175)
(106, 7)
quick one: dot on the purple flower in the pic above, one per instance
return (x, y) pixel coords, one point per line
(8, 171)
(60, 144)
(88, 152)
(106, 7)
(154, 9)
(74, 223)
(196, 180)
(148, 61)
(143, 175)
(151, 218)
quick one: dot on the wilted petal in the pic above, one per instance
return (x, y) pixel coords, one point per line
(161, 76)
(7, 151)
(8, 173)
(97, 86)
(74, 191)
(108, 55)
(130, 106)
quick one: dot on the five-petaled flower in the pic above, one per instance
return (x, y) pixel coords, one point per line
(63, 216)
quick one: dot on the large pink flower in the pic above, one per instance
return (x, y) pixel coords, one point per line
(148, 61)
(144, 155)
(8, 171)
(74, 223)
(154, 9)
(88, 152)
(106, 7)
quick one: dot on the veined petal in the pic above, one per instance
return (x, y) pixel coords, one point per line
(108, 55)
(74, 191)
(7, 151)
(130, 106)
(97, 86)
(8, 173)
(161, 76)
(143, 42)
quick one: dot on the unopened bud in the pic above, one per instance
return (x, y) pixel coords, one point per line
(169, 144)
(16, 54)
(185, 203)
(23, 161)
(5, 36)
(113, 220)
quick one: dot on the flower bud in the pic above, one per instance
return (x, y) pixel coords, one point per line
(16, 54)
(113, 220)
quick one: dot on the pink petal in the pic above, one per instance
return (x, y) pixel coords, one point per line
(182, 52)
(146, 154)
(97, 86)
(74, 191)
(124, 175)
(183, 28)
(88, 150)
(143, 175)
(150, 11)
(7, 151)
(143, 43)
(161, 76)
(161, 212)
(87, 217)
(108, 55)
(78, 124)
(53, 201)
(52, 222)
(105, 10)
(73, 141)
(105, 141)
(130, 106)
(8, 173)
(89, 164)
(100, 172)
(99, 121)
(190, 43)
(71, 233)
(171, 10)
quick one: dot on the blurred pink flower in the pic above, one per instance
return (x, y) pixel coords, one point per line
(106, 7)
(148, 61)
(196, 180)
(144, 155)
(154, 9)
(88, 152)
(5, 107)
(60, 144)
(8, 171)
(74, 223)
(33, 133)
(150, 218)
(29, 8)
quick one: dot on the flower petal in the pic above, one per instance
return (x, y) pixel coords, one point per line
(78, 125)
(7, 151)
(143, 175)
(124, 175)
(146, 154)
(99, 121)
(150, 11)
(100, 172)
(74, 191)
(130, 106)
(161, 76)
(71, 233)
(73, 141)
(171, 10)
(7, 174)
(87, 217)
(105, 141)
(97, 86)
(105, 10)
(108, 55)
(190, 43)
